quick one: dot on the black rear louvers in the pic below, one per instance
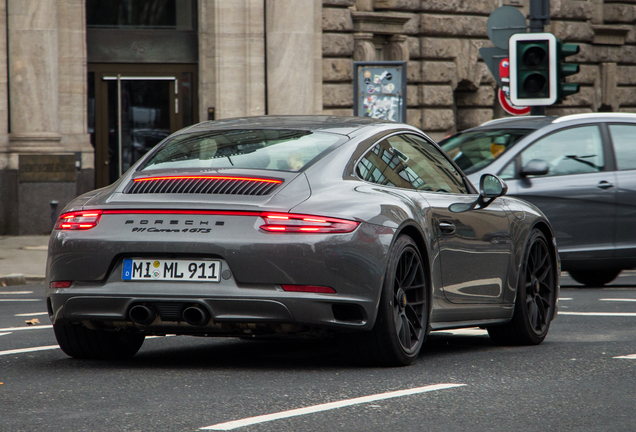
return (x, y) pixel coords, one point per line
(222, 185)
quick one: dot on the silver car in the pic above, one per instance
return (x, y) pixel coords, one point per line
(352, 228)
(580, 170)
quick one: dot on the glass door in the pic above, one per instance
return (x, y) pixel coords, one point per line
(139, 114)
(133, 113)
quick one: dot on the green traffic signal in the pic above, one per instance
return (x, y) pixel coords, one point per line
(533, 75)
(566, 69)
(533, 71)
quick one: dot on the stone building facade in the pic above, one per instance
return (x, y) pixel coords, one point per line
(226, 58)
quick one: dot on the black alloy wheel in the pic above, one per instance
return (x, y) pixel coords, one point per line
(536, 297)
(401, 324)
(539, 286)
(409, 300)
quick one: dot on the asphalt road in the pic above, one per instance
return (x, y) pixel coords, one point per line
(581, 378)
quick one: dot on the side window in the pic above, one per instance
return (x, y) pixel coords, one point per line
(426, 167)
(570, 151)
(383, 165)
(624, 139)
(509, 171)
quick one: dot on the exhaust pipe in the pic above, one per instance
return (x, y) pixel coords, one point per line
(196, 316)
(140, 314)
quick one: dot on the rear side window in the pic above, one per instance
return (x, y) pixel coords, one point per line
(571, 151)
(624, 138)
(286, 150)
(410, 162)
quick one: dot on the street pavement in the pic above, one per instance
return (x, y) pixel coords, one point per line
(22, 259)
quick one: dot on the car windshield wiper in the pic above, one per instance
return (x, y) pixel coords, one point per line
(582, 160)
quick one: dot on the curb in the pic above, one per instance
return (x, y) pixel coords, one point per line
(12, 279)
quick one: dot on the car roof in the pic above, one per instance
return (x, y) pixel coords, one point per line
(334, 124)
(526, 122)
(537, 122)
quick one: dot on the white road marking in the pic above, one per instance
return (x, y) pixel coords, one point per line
(619, 299)
(327, 406)
(26, 350)
(16, 292)
(32, 314)
(20, 300)
(37, 327)
(631, 357)
(565, 298)
(607, 314)
(4, 334)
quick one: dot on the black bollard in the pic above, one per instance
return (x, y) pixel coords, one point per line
(53, 205)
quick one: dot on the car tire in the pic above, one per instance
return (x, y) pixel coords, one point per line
(594, 278)
(536, 297)
(80, 342)
(400, 327)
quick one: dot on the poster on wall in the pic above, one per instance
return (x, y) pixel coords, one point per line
(380, 90)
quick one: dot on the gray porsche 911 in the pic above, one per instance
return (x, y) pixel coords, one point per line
(343, 227)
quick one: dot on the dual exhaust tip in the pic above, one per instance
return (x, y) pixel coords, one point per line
(193, 315)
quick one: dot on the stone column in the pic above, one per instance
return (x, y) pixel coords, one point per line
(73, 85)
(33, 76)
(294, 56)
(4, 94)
(231, 58)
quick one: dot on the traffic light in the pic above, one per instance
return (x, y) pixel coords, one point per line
(533, 69)
(566, 69)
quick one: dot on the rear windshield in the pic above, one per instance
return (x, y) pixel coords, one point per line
(475, 149)
(286, 150)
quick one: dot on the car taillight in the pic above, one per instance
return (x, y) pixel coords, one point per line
(309, 288)
(78, 220)
(305, 224)
(61, 284)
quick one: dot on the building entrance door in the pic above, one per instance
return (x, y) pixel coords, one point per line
(134, 110)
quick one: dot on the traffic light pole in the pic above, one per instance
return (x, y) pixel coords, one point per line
(539, 17)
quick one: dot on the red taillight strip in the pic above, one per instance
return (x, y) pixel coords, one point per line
(305, 224)
(185, 212)
(274, 222)
(78, 220)
(253, 179)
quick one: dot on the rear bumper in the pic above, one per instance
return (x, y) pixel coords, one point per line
(108, 306)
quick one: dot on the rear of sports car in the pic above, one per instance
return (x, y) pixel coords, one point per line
(200, 238)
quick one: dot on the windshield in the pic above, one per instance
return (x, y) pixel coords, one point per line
(286, 150)
(475, 149)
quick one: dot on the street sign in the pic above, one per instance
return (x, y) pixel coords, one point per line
(503, 23)
(504, 91)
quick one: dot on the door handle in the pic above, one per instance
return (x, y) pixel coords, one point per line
(447, 227)
(604, 185)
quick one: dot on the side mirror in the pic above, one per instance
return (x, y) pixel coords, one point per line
(535, 167)
(491, 186)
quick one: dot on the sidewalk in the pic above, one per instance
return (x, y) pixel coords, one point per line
(22, 259)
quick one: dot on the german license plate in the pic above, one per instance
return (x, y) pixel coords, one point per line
(172, 270)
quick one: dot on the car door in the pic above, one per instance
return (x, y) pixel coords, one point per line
(577, 194)
(623, 137)
(474, 246)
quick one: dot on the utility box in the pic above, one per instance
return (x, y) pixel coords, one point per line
(380, 90)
